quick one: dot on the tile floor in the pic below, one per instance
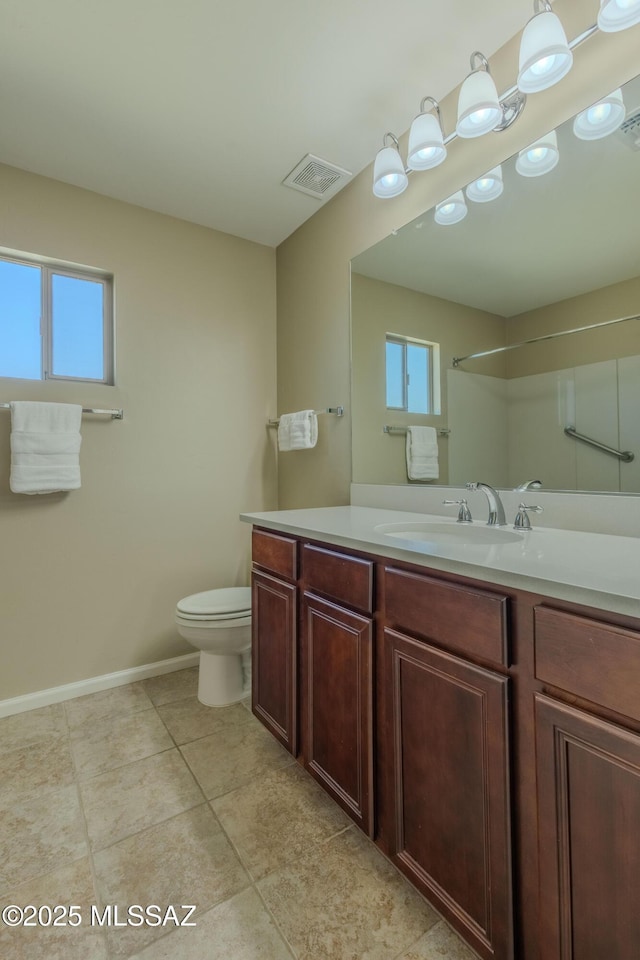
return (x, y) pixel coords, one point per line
(140, 795)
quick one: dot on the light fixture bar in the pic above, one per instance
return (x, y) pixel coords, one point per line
(508, 99)
(513, 89)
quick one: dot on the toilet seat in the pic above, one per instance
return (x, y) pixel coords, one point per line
(228, 603)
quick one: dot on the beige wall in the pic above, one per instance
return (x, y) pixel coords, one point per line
(313, 264)
(606, 343)
(89, 579)
(378, 308)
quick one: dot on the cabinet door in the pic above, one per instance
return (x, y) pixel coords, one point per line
(337, 705)
(589, 835)
(274, 678)
(449, 749)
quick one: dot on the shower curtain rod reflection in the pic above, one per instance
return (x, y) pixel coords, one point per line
(114, 414)
(548, 336)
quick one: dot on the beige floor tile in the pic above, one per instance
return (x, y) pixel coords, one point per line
(169, 687)
(114, 702)
(440, 943)
(186, 860)
(343, 901)
(31, 771)
(39, 835)
(232, 757)
(115, 741)
(68, 886)
(122, 802)
(188, 720)
(238, 929)
(25, 729)
(276, 818)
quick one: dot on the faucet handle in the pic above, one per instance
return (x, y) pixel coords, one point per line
(522, 521)
(464, 514)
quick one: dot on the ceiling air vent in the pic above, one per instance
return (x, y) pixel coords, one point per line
(630, 130)
(316, 177)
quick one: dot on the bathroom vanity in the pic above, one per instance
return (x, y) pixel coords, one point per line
(473, 706)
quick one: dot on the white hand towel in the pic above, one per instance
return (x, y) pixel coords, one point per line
(422, 453)
(297, 431)
(45, 443)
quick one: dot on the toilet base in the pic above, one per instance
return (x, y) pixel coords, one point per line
(221, 679)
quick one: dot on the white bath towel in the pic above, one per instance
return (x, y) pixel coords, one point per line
(45, 443)
(297, 431)
(422, 453)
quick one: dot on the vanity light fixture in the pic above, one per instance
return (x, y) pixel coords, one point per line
(451, 210)
(601, 119)
(617, 15)
(545, 58)
(426, 139)
(389, 176)
(545, 55)
(486, 188)
(479, 109)
(539, 157)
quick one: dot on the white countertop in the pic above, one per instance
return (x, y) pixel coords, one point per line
(595, 569)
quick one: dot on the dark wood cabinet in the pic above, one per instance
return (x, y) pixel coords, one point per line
(337, 705)
(486, 738)
(589, 835)
(449, 748)
(274, 679)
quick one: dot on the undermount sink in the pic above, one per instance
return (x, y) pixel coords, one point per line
(462, 533)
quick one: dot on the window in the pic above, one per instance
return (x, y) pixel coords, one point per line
(56, 323)
(412, 375)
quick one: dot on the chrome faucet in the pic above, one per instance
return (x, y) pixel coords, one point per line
(528, 485)
(496, 509)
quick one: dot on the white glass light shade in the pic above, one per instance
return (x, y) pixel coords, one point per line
(540, 157)
(617, 15)
(452, 210)
(389, 178)
(479, 109)
(426, 143)
(601, 119)
(486, 188)
(545, 57)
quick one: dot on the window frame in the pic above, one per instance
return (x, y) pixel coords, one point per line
(433, 374)
(49, 268)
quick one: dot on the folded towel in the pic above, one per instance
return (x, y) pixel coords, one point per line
(297, 431)
(45, 443)
(422, 453)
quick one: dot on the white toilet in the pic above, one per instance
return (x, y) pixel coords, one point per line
(218, 623)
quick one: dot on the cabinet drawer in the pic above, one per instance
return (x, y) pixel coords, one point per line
(276, 553)
(459, 618)
(595, 661)
(348, 580)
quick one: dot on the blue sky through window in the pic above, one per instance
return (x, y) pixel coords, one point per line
(77, 328)
(77, 320)
(20, 353)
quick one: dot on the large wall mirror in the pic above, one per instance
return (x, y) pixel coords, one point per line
(552, 253)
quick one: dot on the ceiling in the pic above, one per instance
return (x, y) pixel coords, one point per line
(200, 108)
(546, 239)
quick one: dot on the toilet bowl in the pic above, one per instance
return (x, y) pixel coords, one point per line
(218, 623)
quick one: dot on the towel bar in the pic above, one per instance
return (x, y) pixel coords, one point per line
(388, 428)
(114, 414)
(339, 412)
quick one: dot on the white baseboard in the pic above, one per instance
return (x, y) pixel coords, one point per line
(43, 698)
